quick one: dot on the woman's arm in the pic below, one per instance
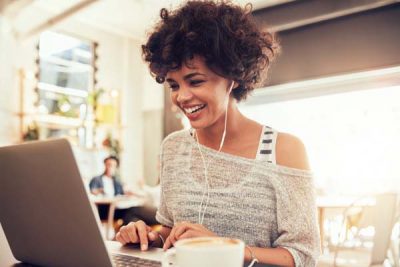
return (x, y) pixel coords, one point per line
(290, 152)
(275, 256)
(295, 195)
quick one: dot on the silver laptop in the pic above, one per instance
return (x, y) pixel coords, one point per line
(45, 210)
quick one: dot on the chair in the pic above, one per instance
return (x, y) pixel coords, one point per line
(394, 250)
(382, 218)
(386, 207)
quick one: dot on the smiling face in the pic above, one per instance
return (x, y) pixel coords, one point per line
(200, 93)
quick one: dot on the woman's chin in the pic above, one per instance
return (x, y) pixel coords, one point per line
(197, 124)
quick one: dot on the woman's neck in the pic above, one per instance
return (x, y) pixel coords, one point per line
(212, 135)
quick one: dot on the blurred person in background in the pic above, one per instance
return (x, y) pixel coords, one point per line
(107, 185)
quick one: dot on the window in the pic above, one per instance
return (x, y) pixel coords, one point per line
(352, 138)
(66, 79)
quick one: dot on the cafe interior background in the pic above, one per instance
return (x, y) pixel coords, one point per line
(73, 69)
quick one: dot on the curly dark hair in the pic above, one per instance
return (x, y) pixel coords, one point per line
(223, 34)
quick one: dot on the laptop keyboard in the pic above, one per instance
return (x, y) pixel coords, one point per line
(132, 261)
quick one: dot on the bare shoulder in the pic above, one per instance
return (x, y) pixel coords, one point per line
(291, 152)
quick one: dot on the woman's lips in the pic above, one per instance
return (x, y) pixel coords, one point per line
(194, 112)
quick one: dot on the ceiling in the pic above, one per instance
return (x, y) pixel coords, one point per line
(130, 18)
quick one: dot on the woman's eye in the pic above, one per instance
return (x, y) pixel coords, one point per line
(196, 82)
(173, 87)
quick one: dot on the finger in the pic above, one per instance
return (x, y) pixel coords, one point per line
(119, 238)
(189, 234)
(167, 243)
(171, 238)
(132, 234)
(171, 235)
(124, 235)
(142, 231)
(182, 229)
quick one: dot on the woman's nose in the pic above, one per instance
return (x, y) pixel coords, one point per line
(184, 95)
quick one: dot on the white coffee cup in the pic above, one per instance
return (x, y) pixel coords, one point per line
(206, 251)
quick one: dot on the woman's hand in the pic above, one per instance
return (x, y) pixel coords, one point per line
(185, 230)
(137, 232)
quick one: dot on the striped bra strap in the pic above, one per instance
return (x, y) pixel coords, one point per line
(266, 147)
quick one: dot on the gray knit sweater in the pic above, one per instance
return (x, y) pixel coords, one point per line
(263, 204)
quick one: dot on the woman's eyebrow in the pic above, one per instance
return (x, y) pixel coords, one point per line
(186, 77)
(170, 80)
(191, 75)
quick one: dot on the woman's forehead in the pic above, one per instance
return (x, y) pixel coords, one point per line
(196, 64)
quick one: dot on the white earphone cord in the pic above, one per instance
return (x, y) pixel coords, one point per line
(202, 211)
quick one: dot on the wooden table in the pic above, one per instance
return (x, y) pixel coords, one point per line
(118, 202)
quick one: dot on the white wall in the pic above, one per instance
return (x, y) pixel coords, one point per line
(351, 138)
(132, 119)
(8, 88)
(153, 111)
(153, 95)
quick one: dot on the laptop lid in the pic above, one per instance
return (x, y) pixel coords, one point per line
(44, 209)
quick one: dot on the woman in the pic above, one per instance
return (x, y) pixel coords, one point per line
(228, 176)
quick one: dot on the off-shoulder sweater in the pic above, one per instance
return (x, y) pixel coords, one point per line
(264, 204)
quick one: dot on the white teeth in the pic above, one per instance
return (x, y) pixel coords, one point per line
(193, 109)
